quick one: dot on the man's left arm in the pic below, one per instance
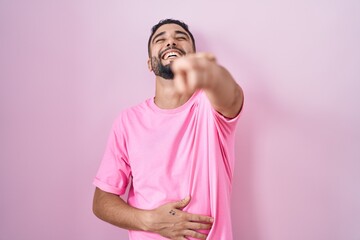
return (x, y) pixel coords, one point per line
(201, 70)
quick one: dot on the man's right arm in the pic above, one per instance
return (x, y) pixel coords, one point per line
(113, 209)
(167, 220)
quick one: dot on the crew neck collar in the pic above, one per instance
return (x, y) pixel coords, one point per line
(156, 108)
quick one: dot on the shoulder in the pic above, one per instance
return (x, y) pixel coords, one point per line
(134, 110)
(205, 103)
(126, 115)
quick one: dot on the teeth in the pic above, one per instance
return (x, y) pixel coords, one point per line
(171, 55)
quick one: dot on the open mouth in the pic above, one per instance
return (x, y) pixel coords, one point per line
(173, 53)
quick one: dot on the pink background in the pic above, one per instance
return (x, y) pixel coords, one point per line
(68, 67)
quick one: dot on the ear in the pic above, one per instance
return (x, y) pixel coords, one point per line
(149, 65)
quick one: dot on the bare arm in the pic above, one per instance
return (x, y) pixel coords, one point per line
(201, 71)
(224, 93)
(113, 209)
(167, 220)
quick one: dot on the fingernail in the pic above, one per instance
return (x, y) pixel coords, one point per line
(211, 219)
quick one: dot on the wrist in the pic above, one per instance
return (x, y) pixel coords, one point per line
(213, 79)
(145, 220)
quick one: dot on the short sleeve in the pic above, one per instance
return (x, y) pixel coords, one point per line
(225, 126)
(114, 172)
(224, 130)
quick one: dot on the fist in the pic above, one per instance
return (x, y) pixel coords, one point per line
(194, 71)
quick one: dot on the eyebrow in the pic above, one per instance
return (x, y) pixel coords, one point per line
(182, 32)
(177, 32)
(158, 35)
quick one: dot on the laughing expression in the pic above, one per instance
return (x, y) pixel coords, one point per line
(169, 42)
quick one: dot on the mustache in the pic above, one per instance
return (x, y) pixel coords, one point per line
(169, 48)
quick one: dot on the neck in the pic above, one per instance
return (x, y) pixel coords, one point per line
(166, 96)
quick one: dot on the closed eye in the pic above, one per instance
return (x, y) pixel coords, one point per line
(160, 40)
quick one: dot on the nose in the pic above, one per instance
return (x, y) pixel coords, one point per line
(171, 43)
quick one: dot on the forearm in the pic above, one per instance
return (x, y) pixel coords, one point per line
(168, 220)
(224, 93)
(112, 209)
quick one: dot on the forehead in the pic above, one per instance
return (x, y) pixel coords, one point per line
(169, 28)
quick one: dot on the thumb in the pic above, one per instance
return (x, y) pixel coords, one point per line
(180, 81)
(182, 203)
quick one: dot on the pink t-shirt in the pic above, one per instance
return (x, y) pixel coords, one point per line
(169, 154)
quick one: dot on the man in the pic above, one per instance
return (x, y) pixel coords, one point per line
(176, 149)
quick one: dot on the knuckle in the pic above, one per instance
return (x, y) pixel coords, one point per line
(199, 235)
(180, 225)
(191, 217)
(199, 226)
(189, 233)
(205, 226)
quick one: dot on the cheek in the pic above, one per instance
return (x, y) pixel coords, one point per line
(155, 51)
(189, 48)
(154, 62)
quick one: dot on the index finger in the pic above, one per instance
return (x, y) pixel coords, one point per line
(199, 218)
(208, 56)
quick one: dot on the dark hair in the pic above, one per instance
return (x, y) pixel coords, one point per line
(170, 21)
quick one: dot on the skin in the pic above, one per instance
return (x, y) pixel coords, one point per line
(192, 71)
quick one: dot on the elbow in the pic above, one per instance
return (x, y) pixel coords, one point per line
(238, 100)
(235, 105)
(96, 205)
(95, 209)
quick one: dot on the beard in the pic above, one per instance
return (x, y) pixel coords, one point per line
(161, 70)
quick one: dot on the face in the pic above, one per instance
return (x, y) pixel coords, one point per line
(169, 42)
